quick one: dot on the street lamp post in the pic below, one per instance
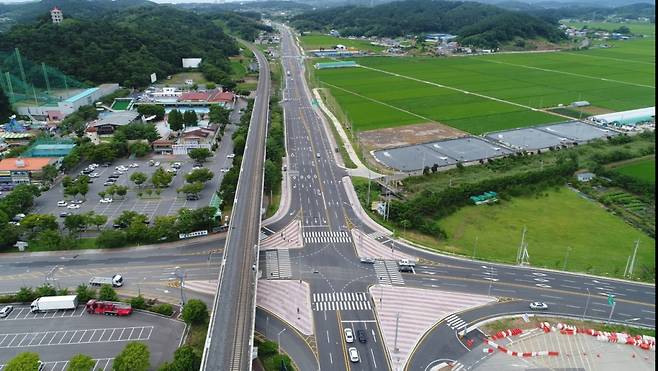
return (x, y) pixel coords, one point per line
(278, 338)
(586, 303)
(180, 274)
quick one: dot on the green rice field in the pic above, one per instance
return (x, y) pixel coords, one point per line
(392, 92)
(644, 169)
(560, 219)
(314, 41)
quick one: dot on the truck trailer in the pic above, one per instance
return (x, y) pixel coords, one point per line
(48, 303)
(108, 308)
(115, 281)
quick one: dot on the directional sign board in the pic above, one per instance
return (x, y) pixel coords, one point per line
(611, 299)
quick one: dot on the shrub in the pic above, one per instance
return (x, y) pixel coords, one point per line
(134, 357)
(85, 293)
(26, 361)
(164, 309)
(25, 295)
(138, 302)
(195, 312)
(267, 348)
(107, 293)
(81, 362)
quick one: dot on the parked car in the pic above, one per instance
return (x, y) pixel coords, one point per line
(192, 197)
(151, 163)
(61, 203)
(354, 355)
(106, 200)
(109, 183)
(157, 163)
(73, 206)
(94, 175)
(538, 306)
(105, 164)
(231, 155)
(349, 335)
(176, 165)
(64, 214)
(224, 170)
(4, 312)
(77, 202)
(134, 164)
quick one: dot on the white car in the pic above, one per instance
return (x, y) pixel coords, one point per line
(94, 175)
(196, 168)
(231, 155)
(157, 163)
(73, 206)
(62, 203)
(106, 200)
(538, 306)
(121, 168)
(349, 335)
(354, 354)
(134, 164)
(224, 170)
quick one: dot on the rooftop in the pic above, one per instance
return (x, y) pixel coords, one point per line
(120, 118)
(28, 164)
(80, 95)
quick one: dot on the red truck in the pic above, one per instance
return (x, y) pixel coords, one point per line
(108, 308)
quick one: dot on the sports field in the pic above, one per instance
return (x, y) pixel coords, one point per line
(494, 92)
(310, 42)
(600, 242)
(644, 169)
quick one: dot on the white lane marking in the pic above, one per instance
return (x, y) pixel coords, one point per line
(373, 357)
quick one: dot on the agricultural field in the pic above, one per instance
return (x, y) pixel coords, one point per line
(644, 169)
(179, 78)
(556, 220)
(316, 41)
(494, 92)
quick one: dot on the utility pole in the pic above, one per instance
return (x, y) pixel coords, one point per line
(368, 195)
(630, 268)
(397, 325)
(627, 262)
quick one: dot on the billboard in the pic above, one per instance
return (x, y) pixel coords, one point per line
(154, 78)
(191, 62)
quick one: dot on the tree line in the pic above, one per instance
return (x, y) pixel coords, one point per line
(125, 46)
(476, 24)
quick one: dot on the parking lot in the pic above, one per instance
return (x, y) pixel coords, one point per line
(167, 203)
(57, 336)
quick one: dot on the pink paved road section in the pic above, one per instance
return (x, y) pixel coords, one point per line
(287, 299)
(418, 311)
(289, 237)
(368, 247)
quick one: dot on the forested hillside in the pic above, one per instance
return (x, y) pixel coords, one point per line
(243, 24)
(127, 46)
(632, 11)
(476, 24)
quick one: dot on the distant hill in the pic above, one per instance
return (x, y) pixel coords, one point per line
(125, 46)
(81, 9)
(244, 24)
(475, 23)
(632, 11)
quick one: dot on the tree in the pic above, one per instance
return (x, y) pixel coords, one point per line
(24, 295)
(199, 154)
(75, 223)
(163, 228)
(139, 149)
(191, 188)
(45, 290)
(138, 302)
(129, 217)
(175, 120)
(96, 219)
(26, 361)
(147, 110)
(134, 357)
(81, 362)
(190, 118)
(197, 219)
(111, 238)
(85, 293)
(137, 231)
(39, 222)
(161, 178)
(48, 173)
(51, 239)
(199, 175)
(185, 358)
(195, 312)
(138, 178)
(272, 176)
(218, 115)
(107, 293)
(5, 108)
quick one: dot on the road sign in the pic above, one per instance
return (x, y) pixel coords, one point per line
(611, 300)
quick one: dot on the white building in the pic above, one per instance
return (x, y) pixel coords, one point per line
(56, 15)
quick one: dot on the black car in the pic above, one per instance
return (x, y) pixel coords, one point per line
(114, 176)
(64, 214)
(361, 335)
(192, 197)
(105, 164)
(118, 226)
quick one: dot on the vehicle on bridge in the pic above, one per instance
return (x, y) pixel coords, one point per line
(108, 308)
(116, 281)
(48, 303)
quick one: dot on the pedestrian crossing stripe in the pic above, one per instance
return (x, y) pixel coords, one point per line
(387, 272)
(377, 235)
(455, 322)
(324, 301)
(326, 237)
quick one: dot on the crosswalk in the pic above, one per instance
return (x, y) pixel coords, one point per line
(387, 272)
(327, 301)
(326, 237)
(277, 264)
(457, 366)
(455, 322)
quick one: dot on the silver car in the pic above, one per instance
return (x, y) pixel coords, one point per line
(4, 312)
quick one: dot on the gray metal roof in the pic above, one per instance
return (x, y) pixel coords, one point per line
(120, 118)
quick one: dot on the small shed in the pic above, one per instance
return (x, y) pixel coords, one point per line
(585, 176)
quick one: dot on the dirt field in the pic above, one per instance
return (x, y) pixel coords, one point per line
(593, 110)
(407, 135)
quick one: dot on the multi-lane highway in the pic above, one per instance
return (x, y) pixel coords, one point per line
(230, 333)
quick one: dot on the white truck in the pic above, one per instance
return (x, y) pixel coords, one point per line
(48, 303)
(115, 281)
